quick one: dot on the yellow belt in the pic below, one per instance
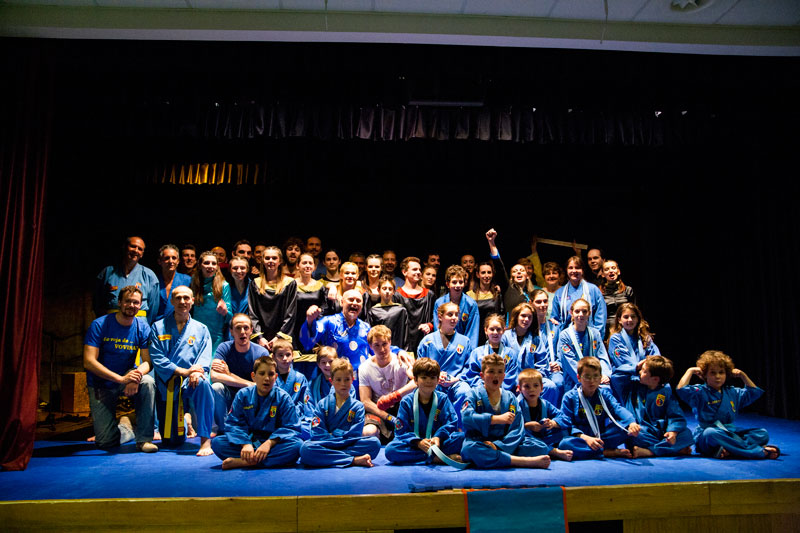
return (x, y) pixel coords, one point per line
(170, 403)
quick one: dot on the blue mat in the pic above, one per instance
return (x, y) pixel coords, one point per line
(73, 470)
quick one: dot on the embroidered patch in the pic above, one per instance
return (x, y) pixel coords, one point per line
(296, 386)
(459, 349)
(353, 346)
(464, 317)
(351, 415)
(594, 345)
(660, 400)
(616, 352)
(436, 414)
(190, 340)
(305, 400)
(512, 408)
(398, 424)
(733, 407)
(506, 359)
(138, 285)
(246, 407)
(565, 349)
(479, 403)
(113, 287)
(315, 422)
(598, 409)
(165, 337)
(273, 411)
(464, 407)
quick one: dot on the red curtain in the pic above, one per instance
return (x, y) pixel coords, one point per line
(25, 130)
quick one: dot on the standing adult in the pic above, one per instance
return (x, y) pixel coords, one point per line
(169, 278)
(212, 298)
(418, 301)
(575, 288)
(127, 272)
(272, 300)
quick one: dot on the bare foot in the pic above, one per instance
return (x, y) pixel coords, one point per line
(233, 462)
(771, 451)
(618, 453)
(685, 451)
(722, 453)
(540, 461)
(362, 460)
(563, 455)
(642, 452)
(205, 447)
(190, 432)
(156, 435)
(90, 439)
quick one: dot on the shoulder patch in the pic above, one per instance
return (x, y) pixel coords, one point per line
(350, 415)
(296, 386)
(660, 400)
(512, 409)
(398, 424)
(460, 349)
(464, 317)
(315, 422)
(273, 411)
(190, 340)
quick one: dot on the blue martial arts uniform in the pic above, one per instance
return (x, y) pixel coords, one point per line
(112, 278)
(254, 419)
(239, 364)
(509, 355)
(551, 437)
(336, 436)
(716, 413)
(206, 312)
(320, 387)
(576, 420)
(350, 342)
(403, 448)
(239, 303)
(510, 439)
(624, 353)
(657, 411)
(468, 316)
(532, 354)
(171, 349)
(165, 300)
(452, 360)
(574, 346)
(562, 301)
(296, 386)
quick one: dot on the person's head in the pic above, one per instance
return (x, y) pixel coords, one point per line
(590, 372)
(524, 261)
(313, 245)
(374, 266)
(292, 248)
(493, 327)
(241, 329)
(243, 248)
(580, 310)
(134, 249)
(188, 256)
(493, 371)
(521, 318)
(628, 317)
(468, 263)
(341, 376)
(264, 374)
(182, 299)
(348, 273)
(272, 259)
(429, 277)
(168, 258)
(258, 253)
(222, 255)
(283, 353)
(519, 274)
(386, 288)
(410, 267)
(611, 270)
(540, 299)
(389, 262)
(575, 269)
(426, 375)
(326, 355)
(448, 317)
(351, 305)
(239, 266)
(331, 261)
(433, 261)
(209, 264)
(306, 264)
(379, 339)
(360, 261)
(595, 259)
(656, 370)
(716, 367)
(129, 300)
(530, 383)
(454, 278)
(553, 275)
(486, 274)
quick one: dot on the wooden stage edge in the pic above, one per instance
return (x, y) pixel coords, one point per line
(758, 505)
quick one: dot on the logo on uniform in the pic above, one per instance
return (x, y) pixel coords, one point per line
(616, 352)
(479, 403)
(464, 317)
(436, 414)
(464, 406)
(598, 409)
(506, 359)
(165, 337)
(353, 346)
(512, 409)
(733, 407)
(138, 285)
(398, 424)
(305, 400)
(190, 340)
(459, 349)
(566, 349)
(315, 422)
(351, 415)
(660, 400)
(594, 345)
(296, 386)
(273, 411)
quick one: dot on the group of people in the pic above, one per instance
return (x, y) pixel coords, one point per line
(277, 355)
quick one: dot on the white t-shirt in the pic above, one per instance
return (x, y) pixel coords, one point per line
(382, 380)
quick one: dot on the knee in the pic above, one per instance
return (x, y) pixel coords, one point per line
(370, 430)
(218, 388)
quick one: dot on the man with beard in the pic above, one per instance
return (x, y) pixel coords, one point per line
(129, 272)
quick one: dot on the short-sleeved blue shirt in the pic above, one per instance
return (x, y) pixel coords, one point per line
(240, 364)
(118, 346)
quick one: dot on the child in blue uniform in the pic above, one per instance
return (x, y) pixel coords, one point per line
(495, 435)
(290, 380)
(337, 425)
(416, 431)
(630, 342)
(320, 386)
(715, 406)
(597, 422)
(263, 428)
(468, 315)
(493, 328)
(540, 417)
(581, 340)
(649, 397)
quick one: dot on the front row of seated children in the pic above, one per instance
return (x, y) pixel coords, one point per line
(500, 430)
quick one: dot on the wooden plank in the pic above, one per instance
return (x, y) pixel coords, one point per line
(702, 524)
(755, 496)
(617, 502)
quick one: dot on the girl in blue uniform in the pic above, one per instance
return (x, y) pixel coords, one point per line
(493, 330)
(577, 287)
(581, 340)
(213, 298)
(630, 342)
(239, 267)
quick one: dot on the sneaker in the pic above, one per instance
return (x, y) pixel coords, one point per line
(146, 447)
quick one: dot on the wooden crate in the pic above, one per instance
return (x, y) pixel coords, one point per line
(74, 394)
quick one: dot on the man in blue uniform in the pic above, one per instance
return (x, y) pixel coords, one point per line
(129, 272)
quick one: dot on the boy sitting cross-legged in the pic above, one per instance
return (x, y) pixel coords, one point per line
(541, 418)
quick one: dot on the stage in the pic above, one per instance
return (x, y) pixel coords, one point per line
(74, 485)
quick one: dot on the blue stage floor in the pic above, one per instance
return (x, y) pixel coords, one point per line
(77, 470)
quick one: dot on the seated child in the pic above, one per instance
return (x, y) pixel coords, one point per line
(494, 326)
(541, 418)
(715, 406)
(337, 425)
(451, 350)
(320, 386)
(262, 426)
(384, 379)
(293, 382)
(649, 397)
(416, 431)
(495, 435)
(591, 412)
